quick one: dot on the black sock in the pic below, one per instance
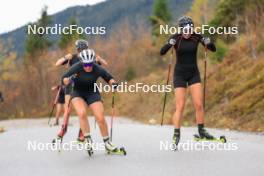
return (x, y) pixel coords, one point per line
(87, 135)
(106, 139)
(200, 127)
(177, 131)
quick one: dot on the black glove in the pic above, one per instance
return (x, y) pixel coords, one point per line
(115, 85)
(73, 78)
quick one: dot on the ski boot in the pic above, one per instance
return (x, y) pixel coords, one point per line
(205, 136)
(175, 141)
(56, 123)
(113, 150)
(88, 145)
(57, 141)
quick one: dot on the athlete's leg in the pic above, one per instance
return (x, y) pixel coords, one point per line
(98, 111)
(80, 107)
(180, 93)
(66, 115)
(59, 111)
(197, 96)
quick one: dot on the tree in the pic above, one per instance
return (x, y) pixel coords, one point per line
(36, 43)
(67, 39)
(36, 49)
(200, 11)
(247, 15)
(161, 15)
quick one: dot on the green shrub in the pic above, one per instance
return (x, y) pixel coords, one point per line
(260, 47)
(130, 74)
(221, 51)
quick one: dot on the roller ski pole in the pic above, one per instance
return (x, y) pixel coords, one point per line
(205, 69)
(166, 93)
(112, 117)
(54, 104)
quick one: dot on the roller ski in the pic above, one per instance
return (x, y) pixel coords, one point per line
(113, 150)
(88, 145)
(176, 140)
(205, 136)
(57, 141)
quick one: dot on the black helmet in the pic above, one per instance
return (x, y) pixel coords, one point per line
(185, 20)
(81, 44)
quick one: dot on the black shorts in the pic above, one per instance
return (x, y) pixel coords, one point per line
(186, 78)
(61, 98)
(68, 89)
(88, 97)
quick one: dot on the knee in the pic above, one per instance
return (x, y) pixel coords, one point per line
(198, 106)
(82, 113)
(180, 106)
(100, 119)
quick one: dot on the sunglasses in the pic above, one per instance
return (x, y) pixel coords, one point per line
(88, 64)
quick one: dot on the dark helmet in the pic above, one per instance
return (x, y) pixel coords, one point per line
(81, 44)
(185, 20)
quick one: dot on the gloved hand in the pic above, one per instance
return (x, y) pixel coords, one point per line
(115, 85)
(72, 78)
(206, 40)
(172, 41)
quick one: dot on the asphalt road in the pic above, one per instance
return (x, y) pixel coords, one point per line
(243, 154)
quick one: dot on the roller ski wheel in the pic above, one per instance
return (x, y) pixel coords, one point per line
(117, 151)
(221, 139)
(90, 152)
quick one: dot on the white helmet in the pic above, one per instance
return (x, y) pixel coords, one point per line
(87, 56)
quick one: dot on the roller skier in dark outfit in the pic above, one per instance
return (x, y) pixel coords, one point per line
(60, 108)
(68, 61)
(84, 75)
(186, 74)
